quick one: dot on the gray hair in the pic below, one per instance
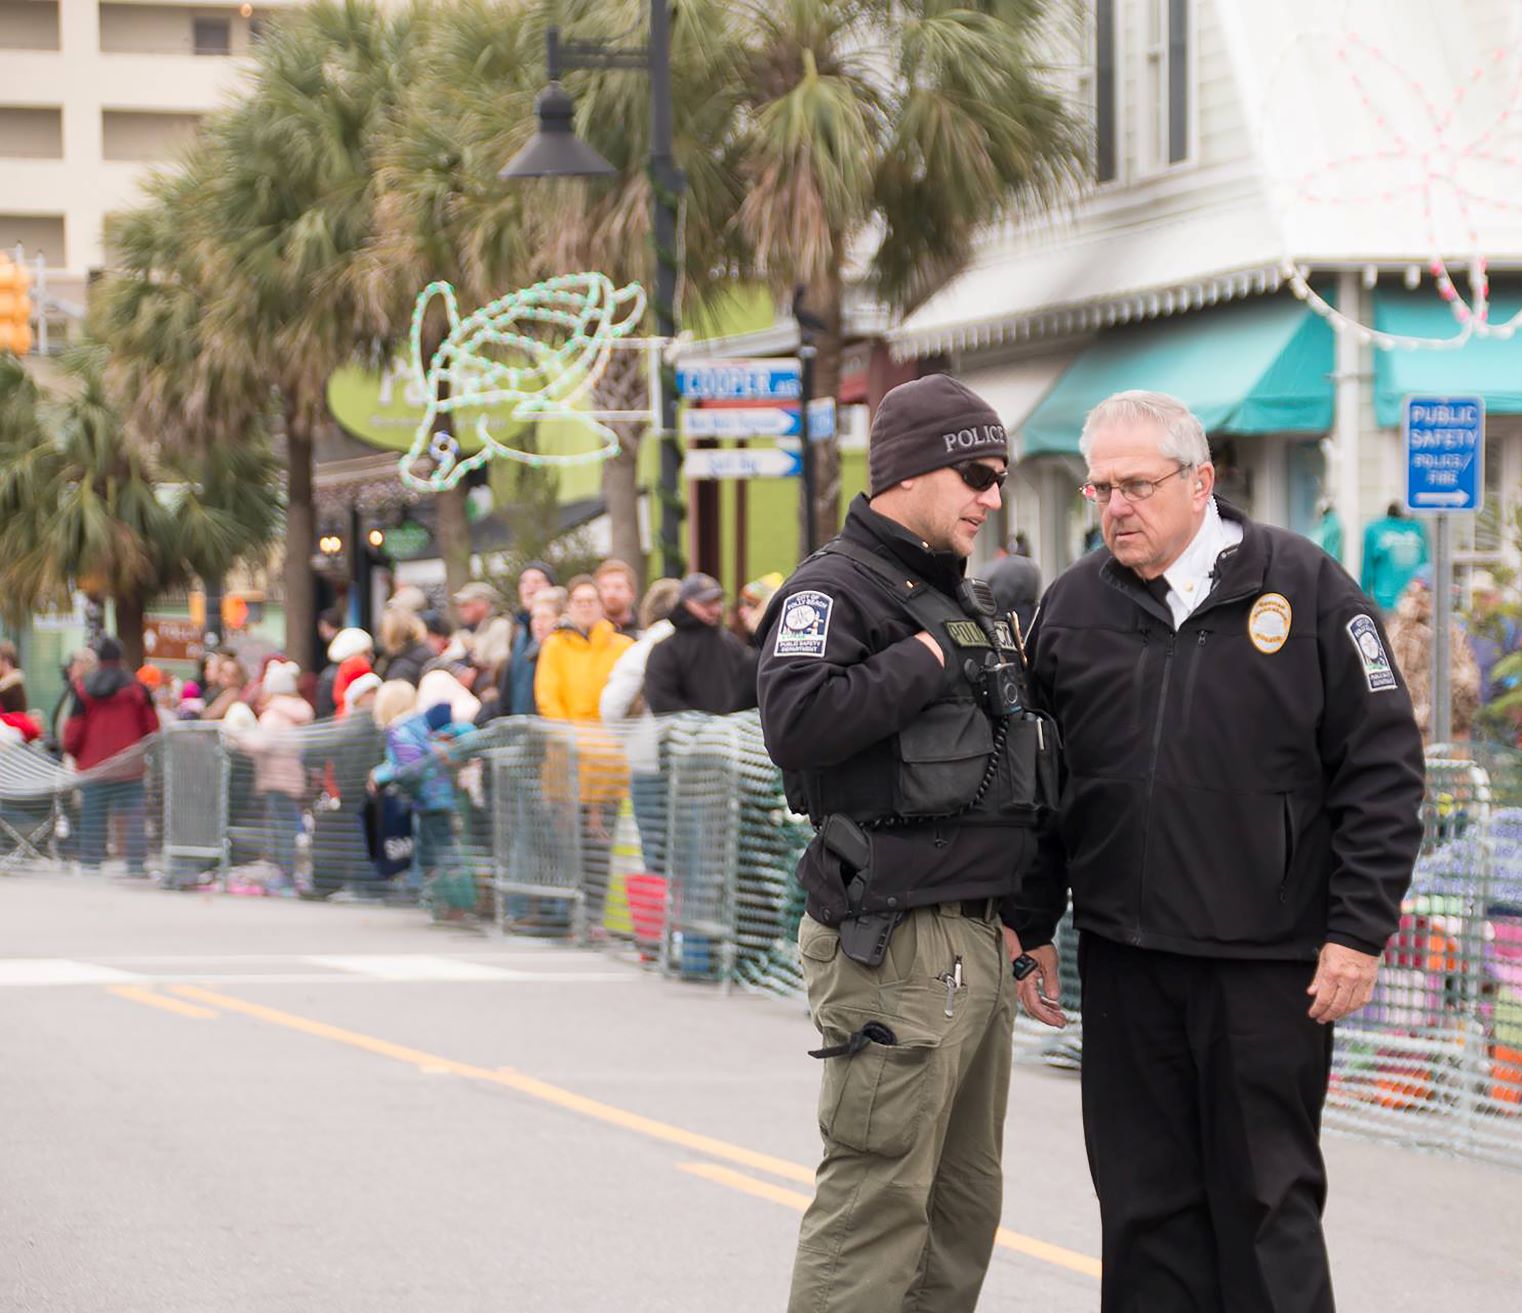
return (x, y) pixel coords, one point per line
(1183, 434)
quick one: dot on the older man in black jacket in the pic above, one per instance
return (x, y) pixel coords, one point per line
(1238, 826)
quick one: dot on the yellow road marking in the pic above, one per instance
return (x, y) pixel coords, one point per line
(613, 1116)
(1023, 1244)
(747, 1184)
(140, 995)
(513, 1080)
(1055, 1254)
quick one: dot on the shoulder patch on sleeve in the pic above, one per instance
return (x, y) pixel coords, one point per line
(1364, 634)
(804, 627)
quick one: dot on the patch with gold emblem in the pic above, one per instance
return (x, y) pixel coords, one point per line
(1269, 621)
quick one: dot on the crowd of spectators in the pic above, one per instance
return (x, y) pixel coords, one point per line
(591, 652)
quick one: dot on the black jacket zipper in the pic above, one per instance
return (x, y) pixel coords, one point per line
(1157, 743)
(1194, 670)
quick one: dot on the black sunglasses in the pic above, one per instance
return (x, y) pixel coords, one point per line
(980, 477)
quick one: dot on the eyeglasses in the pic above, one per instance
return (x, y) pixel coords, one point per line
(1131, 489)
(980, 477)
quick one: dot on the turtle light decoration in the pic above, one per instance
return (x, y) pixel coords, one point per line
(540, 350)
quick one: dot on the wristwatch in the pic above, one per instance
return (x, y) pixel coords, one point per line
(1022, 966)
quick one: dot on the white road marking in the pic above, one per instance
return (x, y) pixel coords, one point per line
(310, 969)
(413, 966)
(61, 971)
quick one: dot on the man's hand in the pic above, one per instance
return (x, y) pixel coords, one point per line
(1344, 983)
(928, 641)
(1041, 991)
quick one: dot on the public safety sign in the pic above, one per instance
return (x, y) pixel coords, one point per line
(1445, 454)
(740, 380)
(742, 463)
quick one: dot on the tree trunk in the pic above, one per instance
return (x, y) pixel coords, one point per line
(300, 542)
(824, 300)
(454, 537)
(620, 491)
(623, 387)
(130, 608)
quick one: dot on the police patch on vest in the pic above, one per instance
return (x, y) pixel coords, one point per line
(1371, 653)
(805, 625)
(1269, 622)
(967, 633)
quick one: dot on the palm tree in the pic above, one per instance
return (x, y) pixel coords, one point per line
(442, 213)
(83, 505)
(882, 132)
(289, 201)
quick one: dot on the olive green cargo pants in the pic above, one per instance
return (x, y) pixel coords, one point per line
(909, 1194)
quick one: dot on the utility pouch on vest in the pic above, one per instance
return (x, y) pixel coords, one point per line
(943, 754)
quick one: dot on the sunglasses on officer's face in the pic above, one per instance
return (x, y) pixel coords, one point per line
(980, 477)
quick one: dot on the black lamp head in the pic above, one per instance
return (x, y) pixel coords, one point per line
(555, 151)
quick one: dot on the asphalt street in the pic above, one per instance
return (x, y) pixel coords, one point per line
(212, 1104)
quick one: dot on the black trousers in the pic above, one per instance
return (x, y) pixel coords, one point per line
(1203, 1083)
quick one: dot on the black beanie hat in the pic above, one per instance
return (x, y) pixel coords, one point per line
(927, 424)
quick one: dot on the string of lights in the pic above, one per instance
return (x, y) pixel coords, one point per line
(539, 351)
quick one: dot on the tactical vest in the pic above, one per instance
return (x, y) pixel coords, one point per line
(954, 761)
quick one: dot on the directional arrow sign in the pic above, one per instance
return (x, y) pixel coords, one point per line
(743, 463)
(740, 380)
(742, 422)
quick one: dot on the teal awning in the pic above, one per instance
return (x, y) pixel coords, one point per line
(1261, 366)
(1483, 366)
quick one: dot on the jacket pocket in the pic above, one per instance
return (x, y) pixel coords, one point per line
(1223, 880)
(942, 756)
(874, 1101)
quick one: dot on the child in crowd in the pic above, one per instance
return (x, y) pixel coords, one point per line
(417, 751)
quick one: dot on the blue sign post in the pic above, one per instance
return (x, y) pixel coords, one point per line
(1445, 454)
(1445, 474)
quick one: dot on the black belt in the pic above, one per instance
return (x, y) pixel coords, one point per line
(981, 909)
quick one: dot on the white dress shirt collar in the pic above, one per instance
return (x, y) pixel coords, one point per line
(1189, 581)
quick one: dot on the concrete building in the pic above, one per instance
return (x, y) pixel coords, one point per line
(92, 94)
(1256, 165)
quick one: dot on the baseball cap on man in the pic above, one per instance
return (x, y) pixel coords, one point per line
(479, 592)
(700, 588)
(928, 424)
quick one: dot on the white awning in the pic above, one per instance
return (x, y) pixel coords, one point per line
(1015, 389)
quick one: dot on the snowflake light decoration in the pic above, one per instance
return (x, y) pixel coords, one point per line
(1429, 154)
(540, 350)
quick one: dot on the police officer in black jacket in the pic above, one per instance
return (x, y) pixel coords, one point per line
(892, 697)
(1238, 825)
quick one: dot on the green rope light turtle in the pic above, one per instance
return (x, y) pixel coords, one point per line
(540, 350)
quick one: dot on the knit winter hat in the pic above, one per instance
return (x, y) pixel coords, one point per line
(927, 424)
(280, 678)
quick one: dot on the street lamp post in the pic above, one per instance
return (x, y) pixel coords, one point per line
(555, 151)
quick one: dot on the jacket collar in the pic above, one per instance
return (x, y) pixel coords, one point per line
(943, 570)
(1239, 571)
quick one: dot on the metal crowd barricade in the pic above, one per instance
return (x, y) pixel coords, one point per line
(1436, 1057)
(702, 847)
(195, 771)
(536, 829)
(30, 787)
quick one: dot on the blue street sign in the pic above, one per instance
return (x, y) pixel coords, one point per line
(1445, 454)
(740, 380)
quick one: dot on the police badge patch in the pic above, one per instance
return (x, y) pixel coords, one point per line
(1371, 653)
(805, 625)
